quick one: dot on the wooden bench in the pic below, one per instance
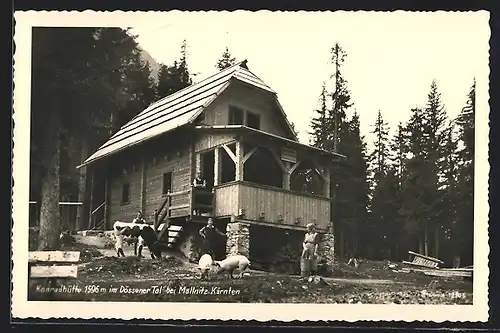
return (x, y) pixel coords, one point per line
(419, 260)
(52, 266)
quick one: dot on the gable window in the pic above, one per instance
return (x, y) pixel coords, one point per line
(167, 183)
(236, 116)
(125, 194)
(253, 120)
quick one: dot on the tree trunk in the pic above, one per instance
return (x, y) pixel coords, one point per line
(49, 201)
(436, 242)
(342, 245)
(82, 211)
(426, 242)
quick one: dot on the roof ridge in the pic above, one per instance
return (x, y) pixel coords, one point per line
(242, 64)
(205, 79)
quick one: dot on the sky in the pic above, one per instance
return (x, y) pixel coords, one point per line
(391, 61)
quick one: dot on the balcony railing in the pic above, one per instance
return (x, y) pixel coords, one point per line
(271, 205)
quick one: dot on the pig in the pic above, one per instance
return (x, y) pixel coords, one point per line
(204, 265)
(229, 264)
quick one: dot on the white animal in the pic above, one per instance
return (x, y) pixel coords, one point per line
(231, 263)
(204, 265)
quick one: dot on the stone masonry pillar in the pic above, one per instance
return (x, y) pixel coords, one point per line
(326, 250)
(238, 239)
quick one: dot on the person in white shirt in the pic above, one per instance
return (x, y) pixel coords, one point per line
(198, 182)
(119, 240)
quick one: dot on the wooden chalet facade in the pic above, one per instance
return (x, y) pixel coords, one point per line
(232, 129)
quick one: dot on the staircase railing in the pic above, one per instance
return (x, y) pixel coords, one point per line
(101, 223)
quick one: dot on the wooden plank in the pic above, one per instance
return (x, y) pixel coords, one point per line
(54, 271)
(173, 234)
(132, 225)
(171, 228)
(55, 256)
(426, 257)
(412, 263)
(179, 207)
(440, 272)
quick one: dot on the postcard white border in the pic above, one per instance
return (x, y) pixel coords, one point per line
(21, 308)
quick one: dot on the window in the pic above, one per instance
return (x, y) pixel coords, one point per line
(125, 194)
(236, 116)
(167, 183)
(253, 120)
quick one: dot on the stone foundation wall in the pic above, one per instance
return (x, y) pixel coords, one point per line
(238, 239)
(326, 251)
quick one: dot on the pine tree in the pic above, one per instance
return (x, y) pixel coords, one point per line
(434, 138)
(176, 77)
(450, 202)
(463, 237)
(379, 158)
(183, 67)
(413, 210)
(353, 190)
(226, 60)
(399, 149)
(341, 98)
(380, 155)
(320, 123)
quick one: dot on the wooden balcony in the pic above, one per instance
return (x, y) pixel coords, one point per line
(271, 205)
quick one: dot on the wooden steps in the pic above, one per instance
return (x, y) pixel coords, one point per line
(174, 232)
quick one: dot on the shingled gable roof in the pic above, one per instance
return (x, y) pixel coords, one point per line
(179, 109)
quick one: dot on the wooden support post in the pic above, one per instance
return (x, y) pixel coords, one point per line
(239, 161)
(91, 174)
(249, 154)
(326, 177)
(285, 166)
(143, 187)
(192, 156)
(198, 163)
(288, 173)
(217, 166)
(286, 176)
(106, 204)
(230, 153)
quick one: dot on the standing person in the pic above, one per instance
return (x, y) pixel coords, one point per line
(208, 234)
(119, 240)
(198, 182)
(138, 246)
(310, 244)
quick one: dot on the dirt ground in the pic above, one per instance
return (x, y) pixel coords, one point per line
(104, 277)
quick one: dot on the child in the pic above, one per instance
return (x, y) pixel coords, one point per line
(119, 240)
